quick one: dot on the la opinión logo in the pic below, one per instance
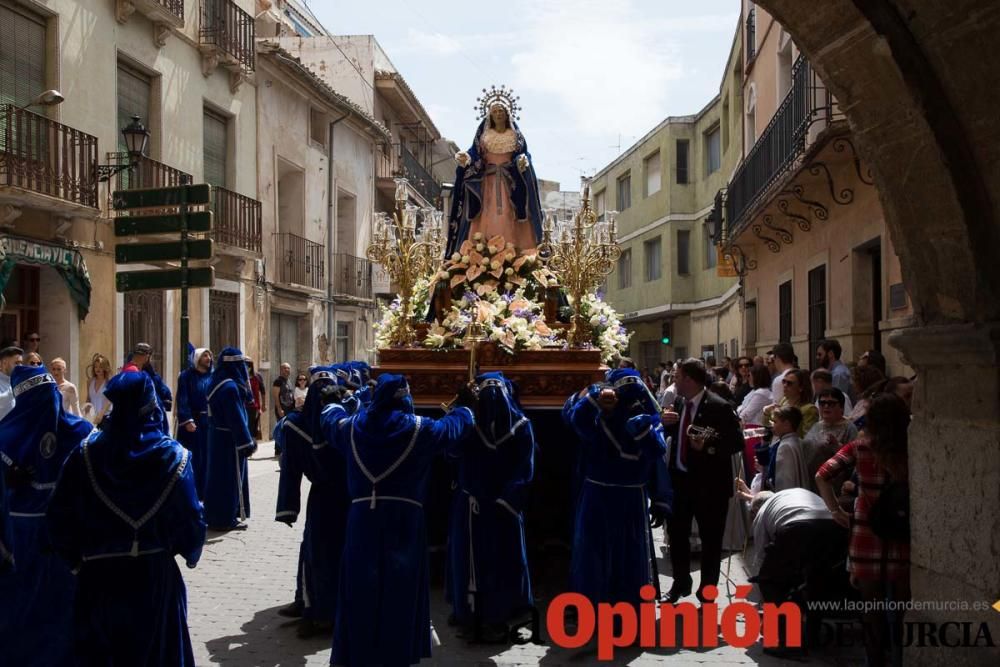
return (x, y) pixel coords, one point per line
(620, 625)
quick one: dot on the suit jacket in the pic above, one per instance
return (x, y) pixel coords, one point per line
(710, 468)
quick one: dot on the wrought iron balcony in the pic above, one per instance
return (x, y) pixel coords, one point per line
(401, 162)
(230, 30)
(147, 173)
(352, 276)
(300, 261)
(40, 155)
(236, 219)
(421, 179)
(779, 145)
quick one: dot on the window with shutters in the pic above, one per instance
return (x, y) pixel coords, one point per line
(651, 250)
(625, 191)
(22, 55)
(750, 319)
(134, 93)
(817, 308)
(216, 147)
(713, 151)
(144, 322)
(683, 252)
(652, 169)
(785, 312)
(625, 269)
(682, 161)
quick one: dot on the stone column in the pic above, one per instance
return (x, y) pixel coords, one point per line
(954, 455)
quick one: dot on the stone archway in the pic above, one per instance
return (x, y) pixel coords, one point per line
(919, 82)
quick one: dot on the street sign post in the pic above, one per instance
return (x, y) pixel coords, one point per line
(129, 253)
(160, 279)
(168, 214)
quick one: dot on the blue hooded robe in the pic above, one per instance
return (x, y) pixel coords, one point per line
(468, 191)
(383, 607)
(622, 470)
(36, 599)
(487, 556)
(230, 443)
(192, 407)
(125, 506)
(306, 454)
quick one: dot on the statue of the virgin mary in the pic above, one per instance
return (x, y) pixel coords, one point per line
(496, 191)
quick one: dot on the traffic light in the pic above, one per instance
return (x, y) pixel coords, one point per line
(665, 333)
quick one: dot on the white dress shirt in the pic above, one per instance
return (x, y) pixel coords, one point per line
(781, 509)
(695, 402)
(752, 409)
(778, 389)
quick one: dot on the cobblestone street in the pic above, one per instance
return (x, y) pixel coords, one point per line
(245, 577)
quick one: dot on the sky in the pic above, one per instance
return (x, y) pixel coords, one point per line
(594, 76)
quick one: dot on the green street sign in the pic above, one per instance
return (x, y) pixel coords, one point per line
(199, 221)
(129, 281)
(162, 252)
(161, 197)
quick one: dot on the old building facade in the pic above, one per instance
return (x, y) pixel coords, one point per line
(668, 283)
(185, 69)
(802, 216)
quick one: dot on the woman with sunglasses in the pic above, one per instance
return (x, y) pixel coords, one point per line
(741, 384)
(300, 391)
(798, 393)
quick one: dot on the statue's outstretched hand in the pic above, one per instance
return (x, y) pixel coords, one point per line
(522, 163)
(462, 158)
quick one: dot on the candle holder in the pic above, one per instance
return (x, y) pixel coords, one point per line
(407, 255)
(581, 252)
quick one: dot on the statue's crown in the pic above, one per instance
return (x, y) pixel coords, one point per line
(503, 96)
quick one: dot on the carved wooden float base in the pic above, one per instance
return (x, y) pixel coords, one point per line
(544, 378)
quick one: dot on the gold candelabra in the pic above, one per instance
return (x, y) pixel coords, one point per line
(581, 252)
(407, 252)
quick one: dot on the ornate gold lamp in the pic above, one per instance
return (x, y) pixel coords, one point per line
(407, 252)
(581, 252)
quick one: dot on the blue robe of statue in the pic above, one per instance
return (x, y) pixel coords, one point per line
(192, 407)
(383, 608)
(487, 557)
(6, 530)
(306, 453)
(125, 506)
(467, 199)
(230, 443)
(36, 598)
(622, 471)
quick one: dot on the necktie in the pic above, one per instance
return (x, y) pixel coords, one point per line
(685, 421)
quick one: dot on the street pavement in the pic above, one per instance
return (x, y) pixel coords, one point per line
(245, 577)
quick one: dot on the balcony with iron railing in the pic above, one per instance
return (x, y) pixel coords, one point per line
(780, 146)
(146, 173)
(352, 276)
(300, 261)
(399, 161)
(229, 32)
(39, 155)
(236, 219)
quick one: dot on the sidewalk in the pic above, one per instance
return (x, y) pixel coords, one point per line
(245, 577)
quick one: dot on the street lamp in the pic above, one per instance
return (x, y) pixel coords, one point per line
(136, 137)
(49, 98)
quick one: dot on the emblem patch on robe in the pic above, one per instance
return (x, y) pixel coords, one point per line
(47, 446)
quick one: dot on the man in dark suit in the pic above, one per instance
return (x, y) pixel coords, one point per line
(701, 472)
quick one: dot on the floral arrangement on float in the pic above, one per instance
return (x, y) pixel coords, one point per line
(490, 282)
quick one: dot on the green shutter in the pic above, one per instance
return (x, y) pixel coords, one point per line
(134, 91)
(215, 148)
(22, 55)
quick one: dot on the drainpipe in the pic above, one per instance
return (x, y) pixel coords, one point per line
(331, 238)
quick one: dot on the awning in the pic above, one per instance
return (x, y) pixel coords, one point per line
(67, 261)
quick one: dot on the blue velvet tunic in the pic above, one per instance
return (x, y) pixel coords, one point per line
(487, 556)
(125, 506)
(622, 470)
(192, 406)
(305, 453)
(230, 443)
(36, 598)
(383, 609)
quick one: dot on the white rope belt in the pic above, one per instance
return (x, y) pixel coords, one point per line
(371, 500)
(619, 486)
